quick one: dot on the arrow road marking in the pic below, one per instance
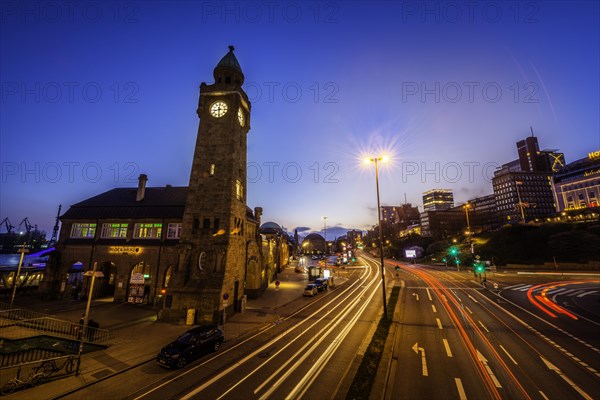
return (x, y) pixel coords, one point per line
(554, 368)
(416, 349)
(484, 361)
(416, 296)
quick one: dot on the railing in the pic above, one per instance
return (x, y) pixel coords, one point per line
(18, 323)
(34, 373)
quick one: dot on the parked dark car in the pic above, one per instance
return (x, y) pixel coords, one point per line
(322, 284)
(189, 346)
(319, 284)
(310, 290)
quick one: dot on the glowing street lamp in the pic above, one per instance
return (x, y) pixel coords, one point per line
(377, 160)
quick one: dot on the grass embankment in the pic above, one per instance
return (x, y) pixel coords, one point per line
(367, 370)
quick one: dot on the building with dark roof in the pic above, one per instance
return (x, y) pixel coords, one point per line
(180, 248)
(313, 244)
(523, 187)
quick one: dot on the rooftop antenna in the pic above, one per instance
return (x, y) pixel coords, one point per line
(531, 127)
(404, 197)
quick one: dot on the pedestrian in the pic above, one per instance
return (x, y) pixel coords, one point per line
(79, 328)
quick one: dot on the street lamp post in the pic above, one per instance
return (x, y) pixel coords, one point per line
(93, 273)
(517, 183)
(376, 160)
(15, 279)
(467, 206)
(325, 232)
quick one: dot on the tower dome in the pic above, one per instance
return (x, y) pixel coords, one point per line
(228, 70)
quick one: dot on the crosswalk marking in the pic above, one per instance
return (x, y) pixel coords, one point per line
(556, 292)
(586, 293)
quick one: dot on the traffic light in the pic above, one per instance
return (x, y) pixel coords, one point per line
(453, 250)
(479, 268)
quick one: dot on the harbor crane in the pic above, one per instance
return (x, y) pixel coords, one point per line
(9, 226)
(28, 225)
(54, 237)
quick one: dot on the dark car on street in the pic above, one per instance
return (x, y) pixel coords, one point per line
(322, 284)
(189, 346)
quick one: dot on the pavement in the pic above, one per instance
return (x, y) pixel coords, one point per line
(136, 337)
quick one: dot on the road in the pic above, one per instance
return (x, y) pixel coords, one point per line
(459, 340)
(521, 336)
(309, 353)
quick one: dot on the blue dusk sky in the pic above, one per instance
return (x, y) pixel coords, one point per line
(93, 94)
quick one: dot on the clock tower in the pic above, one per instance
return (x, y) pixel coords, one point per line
(209, 277)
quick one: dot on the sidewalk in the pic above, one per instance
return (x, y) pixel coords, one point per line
(129, 324)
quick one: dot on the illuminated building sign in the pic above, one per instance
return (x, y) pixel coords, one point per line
(591, 172)
(124, 250)
(594, 154)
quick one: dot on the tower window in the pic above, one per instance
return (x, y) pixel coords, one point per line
(206, 224)
(239, 190)
(212, 170)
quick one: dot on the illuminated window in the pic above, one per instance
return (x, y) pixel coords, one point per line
(239, 190)
(114, 231)
(87, 231)
(174, 231)
(212, 169)
(147, 231)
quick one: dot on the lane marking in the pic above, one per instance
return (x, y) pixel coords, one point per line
(472, 298)
(554, 368)
(461, 391)
(532, 329)
(469, 310)
(483, 326)
(509, 356)
(433, 308)
(428, 294)
(439, 323)
(544, 396)
(447, 346)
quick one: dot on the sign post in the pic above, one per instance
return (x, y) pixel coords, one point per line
(225, 303)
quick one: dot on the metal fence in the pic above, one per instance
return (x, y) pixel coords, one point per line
(28, 374)
(18, 323)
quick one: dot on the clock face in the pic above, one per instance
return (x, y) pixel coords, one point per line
(241, 117)
(218, 109)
